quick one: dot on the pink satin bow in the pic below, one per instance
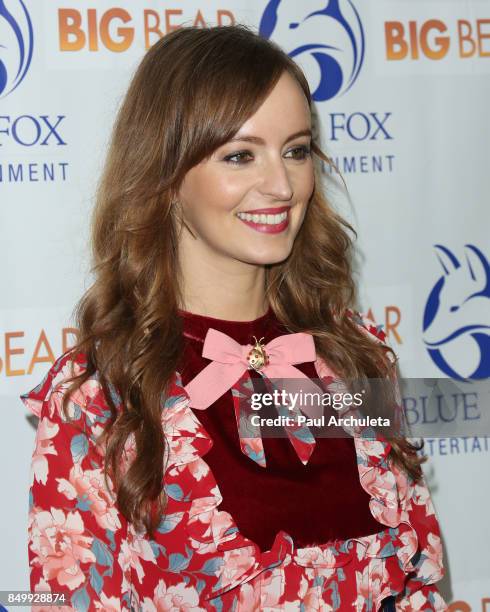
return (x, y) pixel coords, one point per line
(229, 369)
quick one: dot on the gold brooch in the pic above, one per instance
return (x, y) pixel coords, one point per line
(257, 356)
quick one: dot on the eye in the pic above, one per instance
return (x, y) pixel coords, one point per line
(238, 158)
(301, 152)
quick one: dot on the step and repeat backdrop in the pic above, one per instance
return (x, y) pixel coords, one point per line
(401, 91)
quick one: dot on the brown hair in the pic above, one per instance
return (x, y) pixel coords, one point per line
(190, 94)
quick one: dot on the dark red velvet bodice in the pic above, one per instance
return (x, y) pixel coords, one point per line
(314, 503)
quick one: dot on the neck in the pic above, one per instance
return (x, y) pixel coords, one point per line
(221, 287)
(226, 306)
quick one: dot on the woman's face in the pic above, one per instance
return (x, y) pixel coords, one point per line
(266, 170)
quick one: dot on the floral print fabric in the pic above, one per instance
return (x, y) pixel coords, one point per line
(80, 544)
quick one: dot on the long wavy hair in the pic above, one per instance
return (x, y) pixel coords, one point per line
(190, 94)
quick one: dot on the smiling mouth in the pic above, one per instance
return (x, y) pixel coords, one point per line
(266, 223)
(264, 218)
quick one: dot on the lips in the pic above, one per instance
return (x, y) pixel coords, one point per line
(267, 228)
(267, 211)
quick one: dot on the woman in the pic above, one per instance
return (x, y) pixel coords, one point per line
(215, 255)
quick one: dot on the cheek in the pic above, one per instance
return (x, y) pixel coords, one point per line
(306, 183)
(304, 188)
(215, 193)
(227, 191)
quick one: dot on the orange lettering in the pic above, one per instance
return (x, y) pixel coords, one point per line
(442, 42)
(199, 20)
(93, 43)
(126, 35)
(151, 28)
(64, 337)
(49, 358)
(69, 22)
(481, 36)
(396, 45)
(464, 36)
(392, 324)
(9, 351)
(224, 13)
(412, 26)
(169, 27)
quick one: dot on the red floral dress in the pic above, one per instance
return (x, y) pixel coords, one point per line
(81, 545)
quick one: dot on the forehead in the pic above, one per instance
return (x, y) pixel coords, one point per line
(284, 110)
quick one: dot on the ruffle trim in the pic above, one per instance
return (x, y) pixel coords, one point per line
(213, 530)
(63, 368)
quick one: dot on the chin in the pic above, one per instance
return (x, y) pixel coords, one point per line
(268, 258)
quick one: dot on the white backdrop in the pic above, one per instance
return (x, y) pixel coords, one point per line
(402, 94)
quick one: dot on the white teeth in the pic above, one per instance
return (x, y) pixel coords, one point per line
(263, 218)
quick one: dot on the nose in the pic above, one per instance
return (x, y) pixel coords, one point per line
(275, 180)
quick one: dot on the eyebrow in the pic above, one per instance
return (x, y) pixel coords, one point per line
(258, 140)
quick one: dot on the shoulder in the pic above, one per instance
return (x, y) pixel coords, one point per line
(50, 391)
(366, 323)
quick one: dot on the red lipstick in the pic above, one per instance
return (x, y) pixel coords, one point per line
(268, 228)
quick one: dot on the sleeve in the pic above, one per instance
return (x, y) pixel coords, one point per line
(76, 536)
(420, 592)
